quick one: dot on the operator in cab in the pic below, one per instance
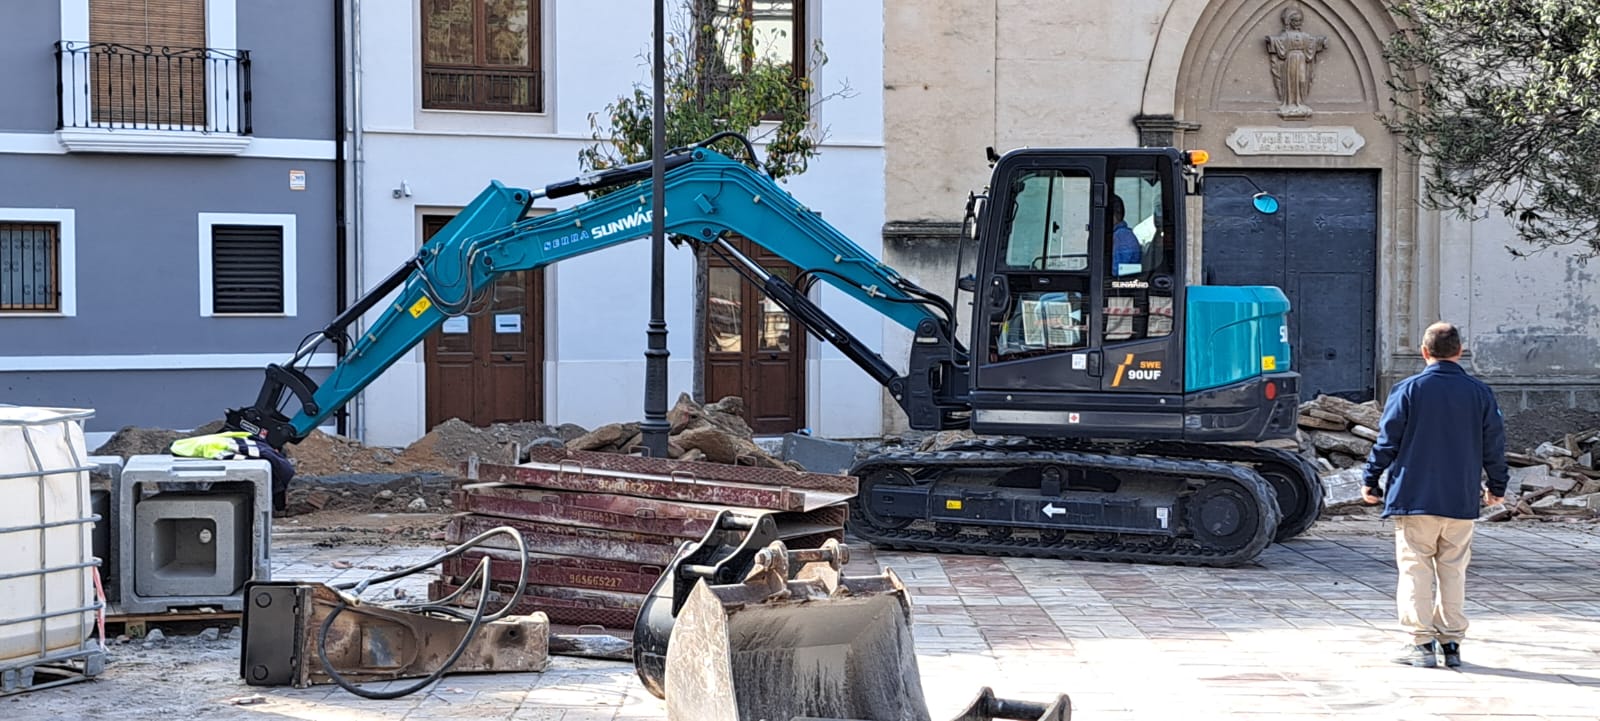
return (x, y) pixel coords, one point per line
(1126, 252)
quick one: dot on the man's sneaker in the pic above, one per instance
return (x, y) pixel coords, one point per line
(1452, 653)
(1422, 656)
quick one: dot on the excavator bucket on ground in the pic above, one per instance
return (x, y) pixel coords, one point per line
(741, 628)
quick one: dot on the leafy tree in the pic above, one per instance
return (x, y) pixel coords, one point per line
(1503, 99)
(717, 80)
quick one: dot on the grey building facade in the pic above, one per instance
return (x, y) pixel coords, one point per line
(169, 201)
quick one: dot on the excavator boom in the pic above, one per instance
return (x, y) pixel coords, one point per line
(707, 195)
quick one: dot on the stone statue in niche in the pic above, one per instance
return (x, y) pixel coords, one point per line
(1293, 53)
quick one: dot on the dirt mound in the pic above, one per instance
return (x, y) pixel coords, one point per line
(139, 441)
(356, 493)
(452, 442)
(327, 454)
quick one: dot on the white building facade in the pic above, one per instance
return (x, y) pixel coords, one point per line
(452, 94)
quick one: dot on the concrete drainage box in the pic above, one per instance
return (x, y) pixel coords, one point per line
(192, 532)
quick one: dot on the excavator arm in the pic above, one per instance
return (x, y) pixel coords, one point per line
(707, 195)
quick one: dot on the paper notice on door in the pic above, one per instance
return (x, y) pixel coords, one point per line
(508, 323)
(1080, 361)
(456, 325)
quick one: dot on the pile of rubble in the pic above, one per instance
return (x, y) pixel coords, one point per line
(715, 432)
(1338, 434)
(1557, 479)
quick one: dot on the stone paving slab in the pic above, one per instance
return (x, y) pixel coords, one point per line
(1305, 633)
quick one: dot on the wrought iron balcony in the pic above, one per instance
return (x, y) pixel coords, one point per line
(130, 87)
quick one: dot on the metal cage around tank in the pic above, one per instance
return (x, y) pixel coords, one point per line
(62, 650)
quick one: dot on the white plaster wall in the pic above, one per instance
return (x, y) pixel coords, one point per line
(1533, 316)
(599, 303)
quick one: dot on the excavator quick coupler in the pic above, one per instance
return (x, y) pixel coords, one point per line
(741, 628)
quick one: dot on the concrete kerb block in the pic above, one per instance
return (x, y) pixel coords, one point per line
(186, 482)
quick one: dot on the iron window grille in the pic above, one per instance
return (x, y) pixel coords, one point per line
(30, 267)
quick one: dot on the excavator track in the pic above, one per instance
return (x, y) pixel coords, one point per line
(1225, 515)
(1294, 480)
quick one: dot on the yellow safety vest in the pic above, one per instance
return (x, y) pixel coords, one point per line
(216, 446)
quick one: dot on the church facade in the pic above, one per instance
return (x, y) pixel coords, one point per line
(1288, 97)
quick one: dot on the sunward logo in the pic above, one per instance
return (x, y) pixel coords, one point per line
(634, 220)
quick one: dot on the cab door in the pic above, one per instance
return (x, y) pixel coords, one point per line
(1036, 291)
(1140, 275)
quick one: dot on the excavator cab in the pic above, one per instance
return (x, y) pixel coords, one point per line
(1084, 326)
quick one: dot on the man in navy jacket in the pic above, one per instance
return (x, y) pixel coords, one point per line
(1442, 430)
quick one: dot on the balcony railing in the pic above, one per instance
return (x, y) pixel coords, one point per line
(107, 85)
(510, 89)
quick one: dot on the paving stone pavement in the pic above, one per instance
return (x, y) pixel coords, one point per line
(1306, 632)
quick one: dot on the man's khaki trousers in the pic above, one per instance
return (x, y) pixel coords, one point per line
(1432, 553)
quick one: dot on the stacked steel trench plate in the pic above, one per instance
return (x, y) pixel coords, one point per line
(601, 527)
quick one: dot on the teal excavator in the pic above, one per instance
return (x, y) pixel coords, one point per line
(1110, 397)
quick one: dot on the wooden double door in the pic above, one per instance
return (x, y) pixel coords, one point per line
(489, 368)
(754, 348)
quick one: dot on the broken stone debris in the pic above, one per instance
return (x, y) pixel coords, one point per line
(714, 432)
(1556, 479)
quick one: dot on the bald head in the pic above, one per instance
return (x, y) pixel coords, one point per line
(1442, 341)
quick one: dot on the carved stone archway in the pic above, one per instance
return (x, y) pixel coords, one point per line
(1211, 84)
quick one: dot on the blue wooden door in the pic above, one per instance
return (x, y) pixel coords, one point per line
(1321, 249)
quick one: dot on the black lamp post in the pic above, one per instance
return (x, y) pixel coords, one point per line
(655, 426)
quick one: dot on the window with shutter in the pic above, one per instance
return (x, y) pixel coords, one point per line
(481, 55)
(734, 34)
(247, 269)
(149, 64)
(30, 267)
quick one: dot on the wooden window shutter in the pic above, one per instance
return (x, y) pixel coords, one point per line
(140, 87)
(246, 269)
(157, 23)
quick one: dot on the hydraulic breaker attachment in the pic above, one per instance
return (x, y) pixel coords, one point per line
(305, 633)
(741, 628)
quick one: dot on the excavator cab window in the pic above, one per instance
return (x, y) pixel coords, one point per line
(1047, 268)
(1139, 254)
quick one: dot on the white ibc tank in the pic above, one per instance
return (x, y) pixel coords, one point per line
(47, 598)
